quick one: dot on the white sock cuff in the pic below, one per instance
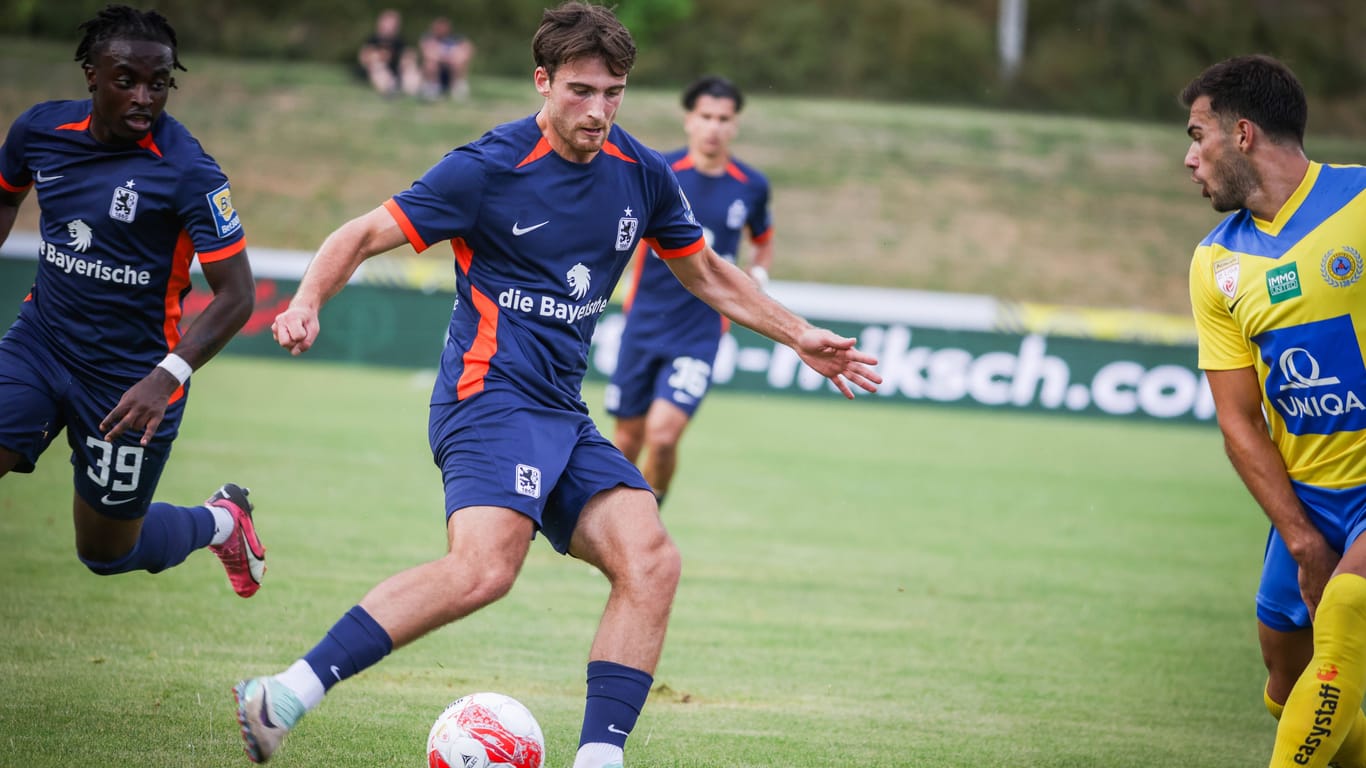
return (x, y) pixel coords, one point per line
(301, 679)
(596, 754)
(223, 523)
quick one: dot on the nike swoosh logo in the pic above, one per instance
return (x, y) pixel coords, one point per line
(519, 231)
(612, 728)
(336, 672)
(265, 708)
(40, 178)
(108, 502)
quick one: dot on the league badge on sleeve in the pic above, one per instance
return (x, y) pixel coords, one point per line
(124, 205)
(1226, 276)
(225, 217)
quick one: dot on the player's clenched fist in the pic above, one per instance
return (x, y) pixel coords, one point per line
(295, 329)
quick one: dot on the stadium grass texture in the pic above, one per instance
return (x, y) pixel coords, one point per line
(864, 584)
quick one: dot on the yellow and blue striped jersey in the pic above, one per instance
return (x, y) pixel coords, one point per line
(1286, 297)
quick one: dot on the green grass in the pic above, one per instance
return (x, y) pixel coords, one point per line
(864, 584)
(1043, 208)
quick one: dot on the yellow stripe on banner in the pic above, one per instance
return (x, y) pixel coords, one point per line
(1091, 323)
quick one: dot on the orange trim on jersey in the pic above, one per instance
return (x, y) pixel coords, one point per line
(642, 253)
(615, 151)
(209, 257)
(735, 172)
(764, 238)
(81, 126)
(539, 151)
(178, 281)
(8, 187)
(477, 357)
(683, 163)
(677, 253)
(409, 231)
(29, 297)
(147, 143)
(464, 256)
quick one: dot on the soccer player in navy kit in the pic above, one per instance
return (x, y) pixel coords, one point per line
(1280, 313)
(542, 215)
(128, 198)
(664, 362)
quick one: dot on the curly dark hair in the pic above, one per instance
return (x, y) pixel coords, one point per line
(120, 22)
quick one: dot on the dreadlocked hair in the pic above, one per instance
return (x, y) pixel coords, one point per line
(120, 22)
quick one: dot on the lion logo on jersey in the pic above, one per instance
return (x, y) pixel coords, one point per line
(579, 279)
(81, 235)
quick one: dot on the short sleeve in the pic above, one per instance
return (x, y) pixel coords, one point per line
(1222, 344)
(15, 175)
(760, 220)
(673, 231)
(207, 210)
(443, 204)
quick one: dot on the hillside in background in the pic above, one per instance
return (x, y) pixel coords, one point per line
(1064, 210)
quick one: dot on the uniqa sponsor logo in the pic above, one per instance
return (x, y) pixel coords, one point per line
(1301, 372)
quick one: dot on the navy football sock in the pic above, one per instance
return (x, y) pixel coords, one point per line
(354, 643)
(169, 534)
(616, 694)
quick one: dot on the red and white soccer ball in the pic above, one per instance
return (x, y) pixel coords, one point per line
(485, 730)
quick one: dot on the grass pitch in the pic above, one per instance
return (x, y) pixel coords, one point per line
(864, 584)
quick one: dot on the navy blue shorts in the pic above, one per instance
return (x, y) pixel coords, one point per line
(647, 372)
(39, 397)
(498, 450)
(1340, 515)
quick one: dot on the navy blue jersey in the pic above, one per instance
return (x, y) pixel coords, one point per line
(539, 245)
(658, 306)
(120, 226)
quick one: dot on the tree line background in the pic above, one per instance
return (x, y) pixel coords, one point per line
(1110, 58)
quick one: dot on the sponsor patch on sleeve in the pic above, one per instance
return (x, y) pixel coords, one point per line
(225, 217)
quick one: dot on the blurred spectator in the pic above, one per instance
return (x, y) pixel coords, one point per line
(390, 65)
(445, 61)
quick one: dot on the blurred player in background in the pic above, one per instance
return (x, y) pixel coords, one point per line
(664, 363)
(1280, 309)
(542, 215)
(128, 198)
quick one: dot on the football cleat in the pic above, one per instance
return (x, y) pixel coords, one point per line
(243, 556)
(266, 711)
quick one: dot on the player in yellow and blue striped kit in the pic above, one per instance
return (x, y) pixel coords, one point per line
(1280, 309)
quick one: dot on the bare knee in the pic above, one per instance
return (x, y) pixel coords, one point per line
(1285, 655)
(475, 583)
(654, 569)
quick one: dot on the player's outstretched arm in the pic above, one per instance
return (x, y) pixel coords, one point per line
(337, 259)
(143, 406)
(732, 293)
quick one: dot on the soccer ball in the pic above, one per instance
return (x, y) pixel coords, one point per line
(482, 730)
